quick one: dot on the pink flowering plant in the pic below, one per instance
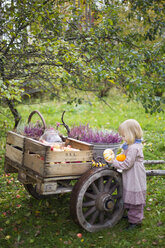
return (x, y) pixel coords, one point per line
(33, 131)
(92, 135)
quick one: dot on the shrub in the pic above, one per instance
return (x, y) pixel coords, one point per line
(93, 135)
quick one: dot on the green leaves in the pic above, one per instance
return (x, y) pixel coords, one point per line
(10, 90)
(54, 46)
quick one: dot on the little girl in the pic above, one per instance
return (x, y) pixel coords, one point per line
(133, 172)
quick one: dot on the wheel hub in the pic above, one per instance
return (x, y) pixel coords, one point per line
(104, 202)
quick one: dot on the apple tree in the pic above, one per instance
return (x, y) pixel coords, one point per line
(54, 46)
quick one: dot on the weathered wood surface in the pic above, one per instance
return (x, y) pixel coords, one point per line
(15, 139)
(66, 169)
(68, 156)
(24, 178)
(35, 146)
(34, 162)
(52, 169)
(155, 172)
(9, 166)
(154, 161)
(79, 144)
(14, 154)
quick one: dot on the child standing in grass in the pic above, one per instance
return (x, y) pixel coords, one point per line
(133, 172)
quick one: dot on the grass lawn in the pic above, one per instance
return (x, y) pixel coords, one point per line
(29, 223)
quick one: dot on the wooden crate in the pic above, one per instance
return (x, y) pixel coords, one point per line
(14, 152)
(26, 153)
(39, 158)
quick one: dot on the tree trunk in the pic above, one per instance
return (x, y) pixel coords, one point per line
(14, 112)
(10, 103)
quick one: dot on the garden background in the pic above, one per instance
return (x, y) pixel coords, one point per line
(102, 62)
(26, 222)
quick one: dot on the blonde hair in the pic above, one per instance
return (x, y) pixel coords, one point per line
(131, 130)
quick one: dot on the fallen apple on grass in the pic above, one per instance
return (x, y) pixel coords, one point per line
(79, 235)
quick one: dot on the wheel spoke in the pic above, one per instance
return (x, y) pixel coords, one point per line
(94, 187)
(108, 184)
(88, 204)
(101, 217)
(94, 217)
(108, 216)
(101, 184)
(116, 196)
(89, 212)
(113, 188)
(89, 195)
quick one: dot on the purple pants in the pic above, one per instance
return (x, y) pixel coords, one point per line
(135, 213)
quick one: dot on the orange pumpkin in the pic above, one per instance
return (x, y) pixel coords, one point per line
(121, 157)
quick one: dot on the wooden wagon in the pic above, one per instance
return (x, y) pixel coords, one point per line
(96, 193)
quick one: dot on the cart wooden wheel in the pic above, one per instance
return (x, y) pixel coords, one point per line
(96, 199)
(31, 189)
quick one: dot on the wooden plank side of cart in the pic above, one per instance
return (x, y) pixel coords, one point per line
(39, 158)
(15, 139)
(14, 152)
(74, 169)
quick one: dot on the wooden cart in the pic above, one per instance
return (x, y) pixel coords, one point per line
(96, 196)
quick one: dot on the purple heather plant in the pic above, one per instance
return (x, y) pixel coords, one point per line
(93, 135)
(34, 131)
